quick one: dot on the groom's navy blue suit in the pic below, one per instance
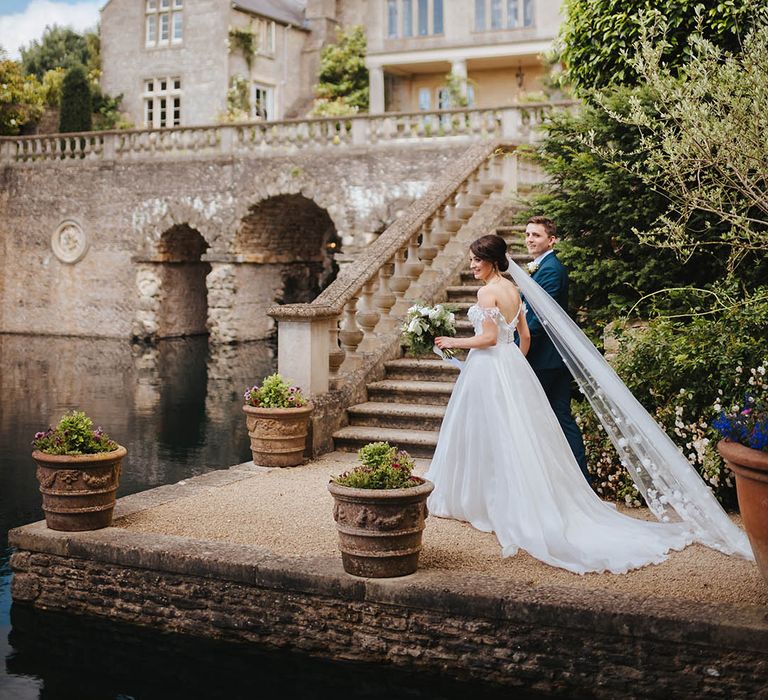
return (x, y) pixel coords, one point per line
(546, 362)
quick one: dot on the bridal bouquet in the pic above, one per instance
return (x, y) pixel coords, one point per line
(425, 323)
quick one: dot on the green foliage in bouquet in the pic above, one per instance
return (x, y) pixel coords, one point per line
(425, 323)
(382, 466)
(74, 435)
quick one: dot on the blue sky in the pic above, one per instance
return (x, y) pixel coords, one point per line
(21, 21)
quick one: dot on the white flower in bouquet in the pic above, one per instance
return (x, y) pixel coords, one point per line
(423, 324)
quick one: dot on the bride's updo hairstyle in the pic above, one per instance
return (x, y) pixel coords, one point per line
(492, 248)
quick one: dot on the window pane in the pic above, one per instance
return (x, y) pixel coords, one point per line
(391, 18)
(271, 37)
(148, 113)
(527, 13)
(178, 3)
(149, 86)
(151, 29)
(479, 15)
(424, 101)
(443, 98)
(470, 95)
(164, 27)
(511, 14)
(177, 26)
(163, 85)
(151, 5)
(176, 111)
(495, 14)
(165, 4)
(423, 17)
(407, 17)
(177, 83)
(437, 17)
(163, 111)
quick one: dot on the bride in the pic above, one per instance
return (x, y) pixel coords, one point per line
(503, 464)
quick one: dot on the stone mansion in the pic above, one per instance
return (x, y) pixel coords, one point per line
(175, 60)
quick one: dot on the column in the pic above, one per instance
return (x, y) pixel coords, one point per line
(459, 69)
(376, 87)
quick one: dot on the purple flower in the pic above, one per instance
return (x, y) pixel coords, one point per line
(39, 435)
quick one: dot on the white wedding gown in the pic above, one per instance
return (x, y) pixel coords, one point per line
(502, 464)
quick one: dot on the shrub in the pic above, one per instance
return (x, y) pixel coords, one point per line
(274, 392)
(76, 105)
(382, 467)
(74, 435)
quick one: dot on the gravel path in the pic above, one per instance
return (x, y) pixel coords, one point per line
(289, 512)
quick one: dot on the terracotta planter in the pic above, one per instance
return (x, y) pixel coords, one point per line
(278, 435)
(79, 490)
(751, 470)
(380, 529)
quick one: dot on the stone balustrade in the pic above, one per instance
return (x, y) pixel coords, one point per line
(323, 343)
(515, 123)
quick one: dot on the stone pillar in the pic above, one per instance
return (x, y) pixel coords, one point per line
(376, 84)
(459, 69)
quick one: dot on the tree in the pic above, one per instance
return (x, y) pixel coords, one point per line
(76, 103)
(21, 98)
(343, 77)
(59, 47)
(599, 36)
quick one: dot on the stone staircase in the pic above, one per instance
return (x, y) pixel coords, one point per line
(407, 407)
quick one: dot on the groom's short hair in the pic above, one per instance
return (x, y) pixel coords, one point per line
(549, 226)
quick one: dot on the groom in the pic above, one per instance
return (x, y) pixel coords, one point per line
(547, 271)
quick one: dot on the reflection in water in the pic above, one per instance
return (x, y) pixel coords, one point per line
(83, 661)
(175, 406)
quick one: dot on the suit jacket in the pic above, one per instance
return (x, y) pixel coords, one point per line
(553, 278)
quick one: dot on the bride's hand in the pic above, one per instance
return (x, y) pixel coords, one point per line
(444, 342)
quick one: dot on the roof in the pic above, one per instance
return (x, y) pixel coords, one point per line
(285, 11)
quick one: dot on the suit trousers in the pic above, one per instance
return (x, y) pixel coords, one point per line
(557, 387)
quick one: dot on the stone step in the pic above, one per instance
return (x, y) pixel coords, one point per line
(403, 416)
(465, 292)
(406, 391)
(418, 443)
(420, 369)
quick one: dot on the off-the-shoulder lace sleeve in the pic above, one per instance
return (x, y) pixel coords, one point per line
(479, 313)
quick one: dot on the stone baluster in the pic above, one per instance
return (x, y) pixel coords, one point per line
(399, 283)
(350, 335)
(385, 298)
(367, 316)
(335, 353)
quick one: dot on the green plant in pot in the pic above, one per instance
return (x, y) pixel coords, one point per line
(277, 415)
(380, 508)
(78, 469)
(744, 448)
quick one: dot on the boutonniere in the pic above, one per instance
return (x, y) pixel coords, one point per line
(532, 267)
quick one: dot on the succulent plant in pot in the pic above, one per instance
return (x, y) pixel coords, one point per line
(380, 509)
(277, 416)
(744, 448)
(78, 469)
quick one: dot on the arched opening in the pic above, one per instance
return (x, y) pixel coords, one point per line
(287, 244)
(184, 299)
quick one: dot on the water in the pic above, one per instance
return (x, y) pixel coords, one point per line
(177, 409)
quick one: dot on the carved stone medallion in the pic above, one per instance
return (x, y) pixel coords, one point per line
(69, 242)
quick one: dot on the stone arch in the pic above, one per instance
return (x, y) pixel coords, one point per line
(174, 236)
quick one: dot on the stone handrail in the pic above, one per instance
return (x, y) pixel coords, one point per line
(511, 123)
(359, 313)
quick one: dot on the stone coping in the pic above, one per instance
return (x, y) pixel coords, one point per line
(473, 594)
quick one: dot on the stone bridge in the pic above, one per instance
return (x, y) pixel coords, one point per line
(192, 230)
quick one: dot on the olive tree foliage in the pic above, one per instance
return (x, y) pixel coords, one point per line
(59, 47)
(599, 37)
(21, 98)
(342, 86)
(706, 148)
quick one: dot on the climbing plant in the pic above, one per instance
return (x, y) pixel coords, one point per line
(245, 41)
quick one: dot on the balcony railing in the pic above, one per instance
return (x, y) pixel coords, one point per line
(515, 123)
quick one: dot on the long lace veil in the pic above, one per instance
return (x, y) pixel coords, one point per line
(671, 487)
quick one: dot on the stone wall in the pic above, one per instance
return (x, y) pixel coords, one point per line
(564, 642)
(84, 245)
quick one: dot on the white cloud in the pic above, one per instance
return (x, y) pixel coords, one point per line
(19, 29)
